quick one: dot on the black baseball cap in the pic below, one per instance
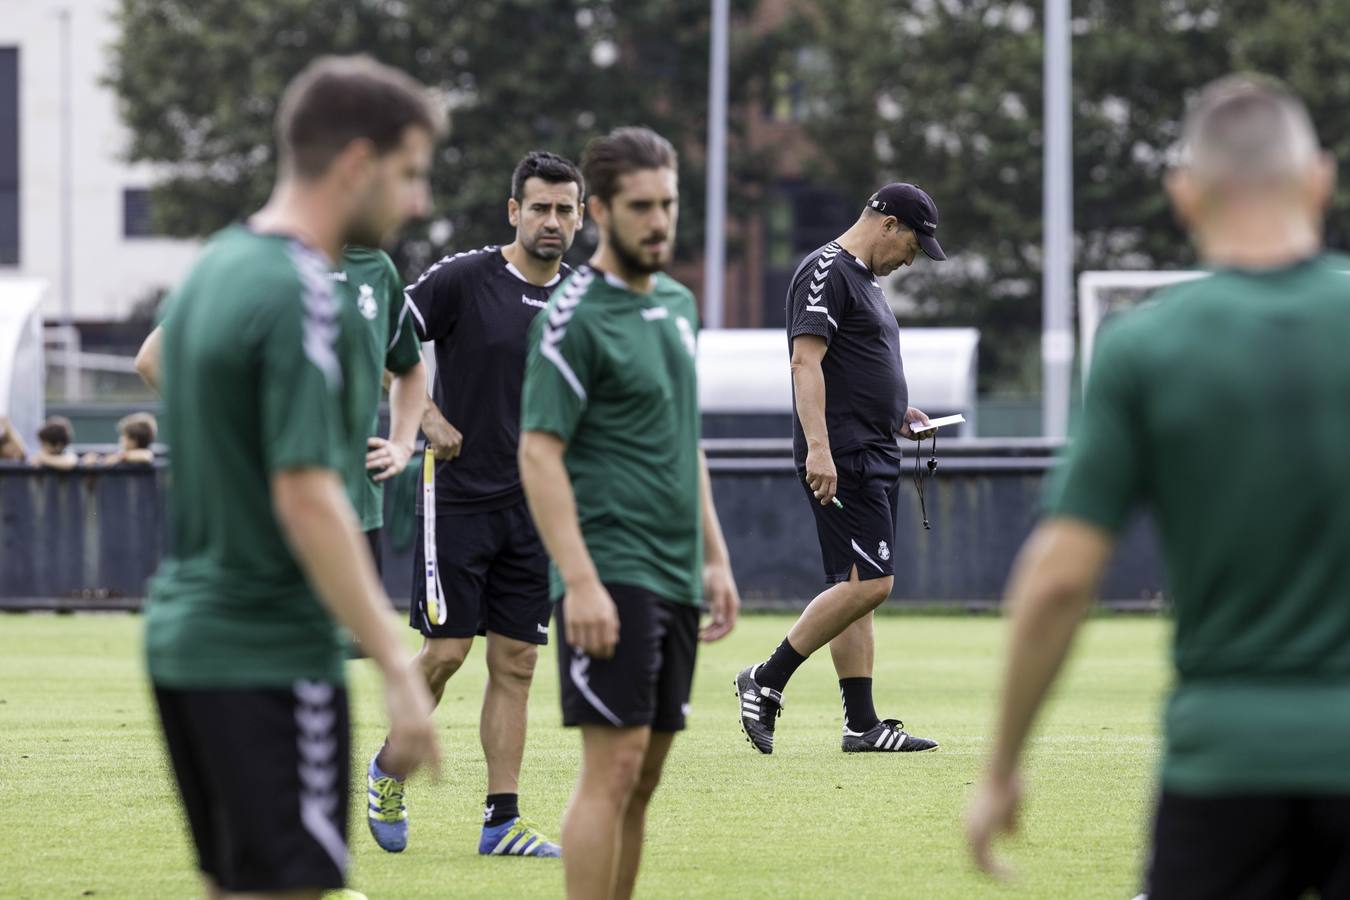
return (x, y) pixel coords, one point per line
(915, 209)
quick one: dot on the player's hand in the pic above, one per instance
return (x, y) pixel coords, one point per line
(992, 813)
(386, 458)
(917, 417)
(724, 602)
(412, 732)
(442, 437)
(821, 477)
(591, 618)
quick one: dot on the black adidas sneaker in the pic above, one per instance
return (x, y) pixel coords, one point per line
(888, 736)
(760, 707)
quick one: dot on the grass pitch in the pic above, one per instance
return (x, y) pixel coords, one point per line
(91, 810)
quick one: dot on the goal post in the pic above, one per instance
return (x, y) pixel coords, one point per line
(1102, 294)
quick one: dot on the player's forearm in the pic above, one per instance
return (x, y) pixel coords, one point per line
(432, 419)
(407, 402)
(321, 529)
(808, 385)
(714, 543)
(1047, 597)
(548, 490)
(147, 358)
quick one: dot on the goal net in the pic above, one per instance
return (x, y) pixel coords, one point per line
(1105, 294)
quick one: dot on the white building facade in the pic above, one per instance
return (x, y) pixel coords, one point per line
(72, 211)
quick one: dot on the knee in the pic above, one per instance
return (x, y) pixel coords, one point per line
(874, 591)
(623, 774)
(442, 658)
(646, 784)
(514, 664)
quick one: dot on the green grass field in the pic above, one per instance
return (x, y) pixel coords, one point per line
(91, 811)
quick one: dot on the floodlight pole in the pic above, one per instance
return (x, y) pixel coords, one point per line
(714, 237)
(1057, 200)
(73, 374)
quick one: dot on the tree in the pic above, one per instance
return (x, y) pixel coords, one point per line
(947, 93)
(199, 81)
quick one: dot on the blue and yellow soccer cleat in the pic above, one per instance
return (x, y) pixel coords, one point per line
(385, 812)
(516, 837)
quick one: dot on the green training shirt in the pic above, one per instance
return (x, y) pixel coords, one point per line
(1224, 408)
(611, 372)
(368, 282)
(254, 375)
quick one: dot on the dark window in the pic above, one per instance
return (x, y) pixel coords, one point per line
(9, 156)
(137, 221)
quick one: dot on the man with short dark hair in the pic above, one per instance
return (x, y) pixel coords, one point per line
(851, 403)
(610, 459)
(1255, 786)
(244, 655)
(492, 572)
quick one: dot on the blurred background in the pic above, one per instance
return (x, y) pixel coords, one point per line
(132, 129)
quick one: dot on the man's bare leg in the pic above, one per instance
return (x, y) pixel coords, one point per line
(502, 726)
(611, 764)
(438, 659)
(635, 818)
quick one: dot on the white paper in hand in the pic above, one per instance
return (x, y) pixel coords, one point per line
(957, 419)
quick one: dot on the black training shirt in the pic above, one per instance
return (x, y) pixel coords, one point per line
(834, 295)
(478, 307)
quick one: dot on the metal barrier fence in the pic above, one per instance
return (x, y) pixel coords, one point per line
(88, 539)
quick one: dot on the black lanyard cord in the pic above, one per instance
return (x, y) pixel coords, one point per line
(918, 478)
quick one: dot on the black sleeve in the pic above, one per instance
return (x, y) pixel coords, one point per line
(436, 297)
(820, 298)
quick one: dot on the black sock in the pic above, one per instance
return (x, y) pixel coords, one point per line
(775, 672)
(859, 713)
(500, 808)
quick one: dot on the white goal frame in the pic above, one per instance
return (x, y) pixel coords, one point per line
(1091, 309)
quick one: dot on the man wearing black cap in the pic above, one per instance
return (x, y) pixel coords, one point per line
(851, 403)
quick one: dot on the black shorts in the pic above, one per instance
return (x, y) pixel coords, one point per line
(1262, 847)
(493, 574)
(648, 679)
(264, 774)
(376, 549)
(861, 534)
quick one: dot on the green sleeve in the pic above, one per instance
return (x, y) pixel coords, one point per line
(404, 350)
(1100, 477)
(299, 385)
(561, 366)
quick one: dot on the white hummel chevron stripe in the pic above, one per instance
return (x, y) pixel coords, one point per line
(864, 555)
(580, 664)
(558, 317)
(316, 718)
(319, 319)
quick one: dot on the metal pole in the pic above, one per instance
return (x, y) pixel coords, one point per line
(714, 238)
(72, 368)
(1057, 278)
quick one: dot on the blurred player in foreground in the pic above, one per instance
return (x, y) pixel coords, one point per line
(616, 482)
(1223, 407)
(258, 358)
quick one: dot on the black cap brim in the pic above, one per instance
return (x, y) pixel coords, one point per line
(930, 246)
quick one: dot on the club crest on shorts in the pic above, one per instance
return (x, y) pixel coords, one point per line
(883, 551)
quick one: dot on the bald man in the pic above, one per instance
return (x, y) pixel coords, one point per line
(1255, 781)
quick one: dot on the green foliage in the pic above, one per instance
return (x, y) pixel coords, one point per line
(199, 81)
(948, 94)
